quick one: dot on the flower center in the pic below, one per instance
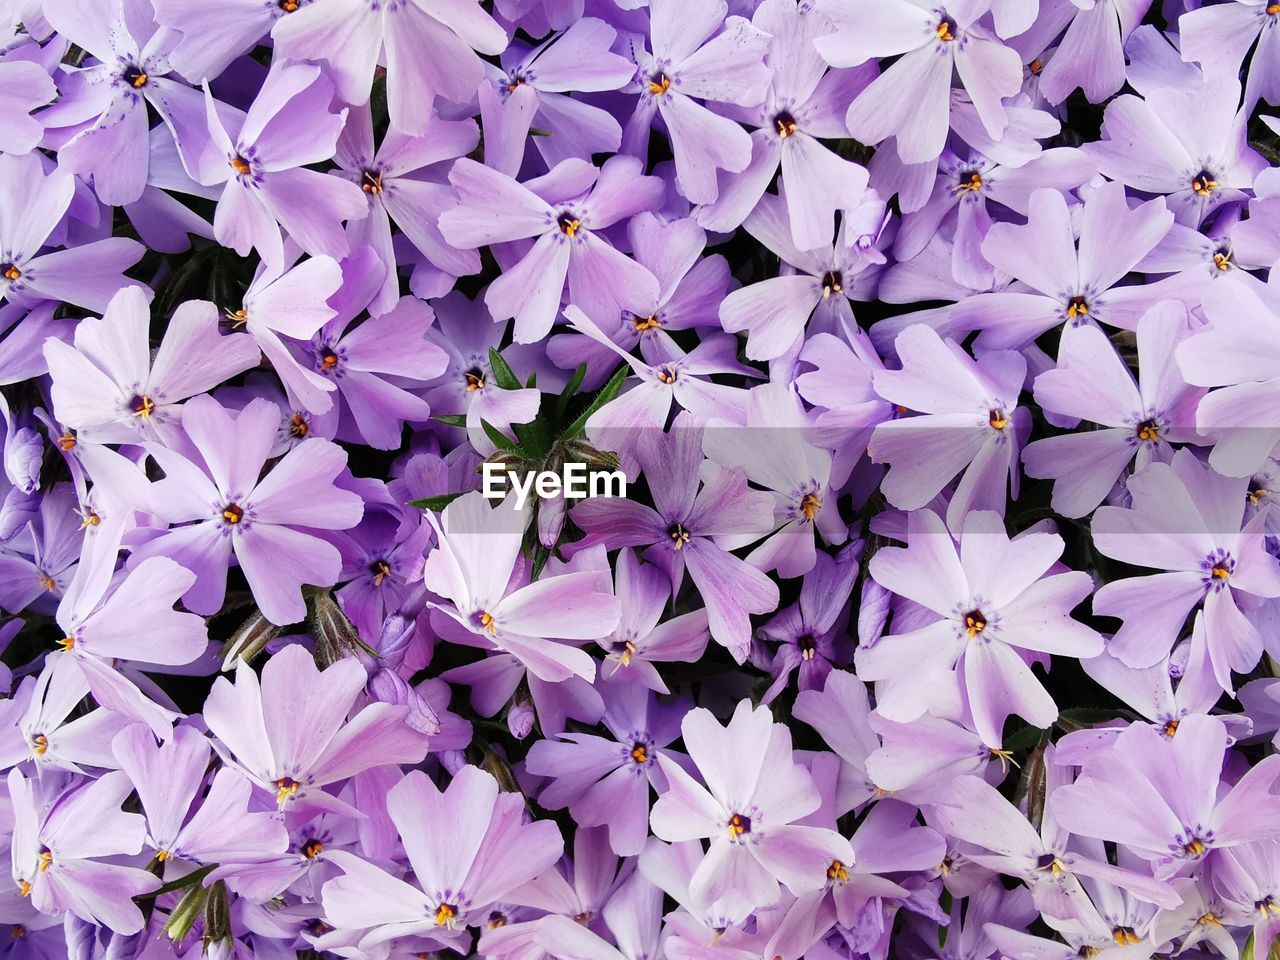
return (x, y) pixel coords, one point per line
(832, 282)
(659, 83)
(1171, 727)
(486, 621)
(46, 859)
(135, 76)
(142, 406)
(240, 165)
(371, 182)
(1148, 431)
(569, 224)
(380, 570)
(650, 322)
(286, 787)
(1203, 184)
(838, 871)
(39, 744)
(785, 124)
(807, 647)
(312, 848)
(739, 826)
(298, 426)
(1256, 494)
(1123, 936)
(475, 379)
(975, 621)
(497, 919)
(1077, 307)
(970, 182)
(1195, 847)
(233, 513)
(667, 374)
(66, 442)
(446, 915)
(945, 30)
(810, 504)
(1222, 259)
(679, 535)
(48, 583)
(997, 419)
(639, 753)
(328, 359)
(288, 6)
(10, 272)
(67, 643)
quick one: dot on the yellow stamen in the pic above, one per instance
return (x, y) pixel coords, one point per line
(667, 375)
(11, 272)
(570, 227)
(1123, 936)
(46, 860)
(142, 406)
(18, 931)
(1219, 572)
(286, 787)
(679, 536)
(997, 419)
(139, 80)
(1273, 9)
(91, 518)
(162, 856)
(372, 183)
(67, 643)
(445, 915)
(288, 6)
(970, 184)
(974, 623)
(233, 513)
(1077, 307)
(486, 621)
(785, 124)
(1195, 847)
(1005, 757)
(1171, 727)
(1222, 260)
(475, 381)
(1203, 184)
(646, 323)
(1035, 66)
(810, 504)
(738, 825)
(240, 165)
(1149, 431)
(639, 754)
(66, 442)
(659, 85)
(312, 849)
(298, 426)
(238, 318)
(1210, 920)
(838, 871)
(629, 651)
(943, 31)
(381, 570)
(329, 360)
(24, 888)
(46, 581)
(39, 744)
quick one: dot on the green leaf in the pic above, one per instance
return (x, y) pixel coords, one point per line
(503, 375)
(191, 879)
(532, 381)
(452, 419)
(499, 439)
(535, 437)
(539, 132)
(436, 504)
(570, 390)
(608, 392)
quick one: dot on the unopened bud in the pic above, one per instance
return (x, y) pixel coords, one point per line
(184, 916)
(23, 455)
(520, 720)
(387, 686)
(248, 640)
(336, 636)
(217, 916)
(453, 761)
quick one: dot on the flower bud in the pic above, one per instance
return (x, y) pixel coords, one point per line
(453, 761)
(248, 640)
(388, 686)
(184, 916)
(336, 636)
(23, 455)
(395, 638)
(520, 719)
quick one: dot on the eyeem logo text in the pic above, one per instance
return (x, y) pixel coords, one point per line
(575, 482)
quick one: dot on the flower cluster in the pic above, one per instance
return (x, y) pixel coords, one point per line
(920, 361)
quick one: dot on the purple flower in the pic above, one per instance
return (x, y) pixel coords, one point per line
(563, 210)
(266, 522)
(1188, 520)
(691, 512)
(688, 58)
(1220, 36)
(471, 566)
(290, 734)
(110, 390)
(996, 602)
(487, 851)
(1128, 795)
(754, 795)
(354, 36)
(1139, 415)
(24, 86)
(260, 158)
(969, 420)
(607, 782)
(60, 840)
(911, 100)
(32, 205)
(1070, 286)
